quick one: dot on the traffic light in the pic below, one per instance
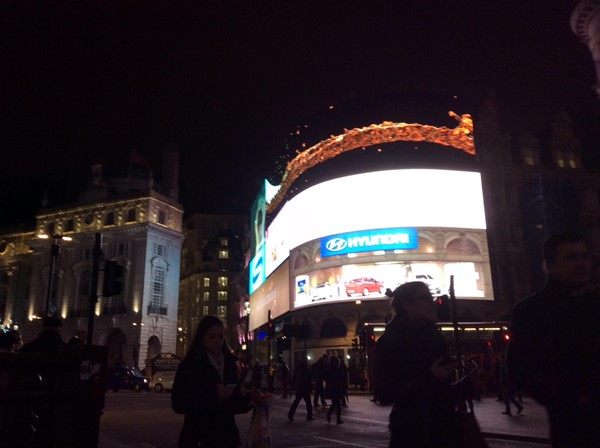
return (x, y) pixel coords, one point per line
(113, 278)
(270, 329)
(362, 339)
(443, 308)
(355, 344)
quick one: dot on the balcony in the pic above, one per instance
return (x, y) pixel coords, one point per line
(154, 309)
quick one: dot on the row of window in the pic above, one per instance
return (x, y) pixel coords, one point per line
(221, 281)
(221, 296)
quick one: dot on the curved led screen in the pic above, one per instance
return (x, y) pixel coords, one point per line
(376, 200)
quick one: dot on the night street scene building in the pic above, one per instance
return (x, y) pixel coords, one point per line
(49, 269)
(352, 214)
(213, 280)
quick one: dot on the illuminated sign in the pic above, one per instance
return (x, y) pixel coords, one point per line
(257, 269)
(368, 241)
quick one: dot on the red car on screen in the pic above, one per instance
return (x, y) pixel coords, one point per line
(364, 286)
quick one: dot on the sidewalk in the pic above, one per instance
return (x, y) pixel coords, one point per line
(532, 425)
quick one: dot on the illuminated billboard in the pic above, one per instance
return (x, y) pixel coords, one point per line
(273, 294)
(438, 255)
(368, 241)
(376, 200)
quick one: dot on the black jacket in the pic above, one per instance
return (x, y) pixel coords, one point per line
(554, 350)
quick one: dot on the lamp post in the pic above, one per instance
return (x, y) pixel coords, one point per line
(54, 252)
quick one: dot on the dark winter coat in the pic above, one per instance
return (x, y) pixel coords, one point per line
(423, 410)
(554, 349)
(334, 383)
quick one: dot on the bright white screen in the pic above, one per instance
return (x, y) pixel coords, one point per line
(382, 199)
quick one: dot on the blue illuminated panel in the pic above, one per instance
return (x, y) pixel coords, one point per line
(369, 241)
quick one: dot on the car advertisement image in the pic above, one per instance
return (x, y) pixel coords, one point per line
(369, 281)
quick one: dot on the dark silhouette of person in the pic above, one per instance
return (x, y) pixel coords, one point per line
(334, 388)
(256, 375)
(318, 374)
(302, 382)
(49, 340)
(283, 375)
(345, 383)
(507, 387)
(210, 374)
(553, 353)
(414, 372)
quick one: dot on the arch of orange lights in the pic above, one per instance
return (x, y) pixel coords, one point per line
(460, 137)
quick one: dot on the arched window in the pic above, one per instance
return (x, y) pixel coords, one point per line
(462, 246)
(109, 219)
(131, 215)
(333, 328)
(301, 261)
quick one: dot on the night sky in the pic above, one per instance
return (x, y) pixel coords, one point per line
(88, 81)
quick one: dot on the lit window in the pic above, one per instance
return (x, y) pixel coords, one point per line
(561, 163)
(221, 295)
(529, 160)
(158, 287)
(224, 254)
(206, 282)
(222, 281)
(222, 311)
(224, 242)
(572, 163)
(206, 296)
(205, 310)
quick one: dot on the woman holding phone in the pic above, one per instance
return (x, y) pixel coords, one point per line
(207, 386)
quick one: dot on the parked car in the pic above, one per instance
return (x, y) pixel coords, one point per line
(364, 286)
(128, 378)
(323, 291)
(162, 381)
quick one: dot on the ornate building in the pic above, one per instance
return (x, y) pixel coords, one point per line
(585, 23)
(212, 262)
(139, 225)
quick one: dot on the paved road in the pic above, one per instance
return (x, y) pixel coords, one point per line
(145, 420)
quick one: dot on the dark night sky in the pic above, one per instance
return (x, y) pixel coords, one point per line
(82, 81)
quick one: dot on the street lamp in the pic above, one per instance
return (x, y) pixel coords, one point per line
(54, 252)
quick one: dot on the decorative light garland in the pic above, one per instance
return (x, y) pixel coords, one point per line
(460, 137)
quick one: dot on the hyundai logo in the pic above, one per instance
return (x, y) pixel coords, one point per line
(336, 244)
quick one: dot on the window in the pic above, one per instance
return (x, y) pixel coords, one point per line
(86, 254)
(70, 225)
(206, 282)
(224, 242)
(131, 215)
(51, 228)
(221, 295)
(122, 249)
(205, 310)
(162, 217)
(160, 250)
(222, 311)
(222, 281)
(206, 296)
(223, 254)
(80, 306)
(158, 287)
(109, 219)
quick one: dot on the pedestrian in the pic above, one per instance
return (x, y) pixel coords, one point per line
(507, 387)
(256, 375)
(318, 372)
(554, 351)
(414, 372)
(49, 340)
(207, 390)
(302, 381)
(283, 375)
(271, 376)
(346, 380)
(334, 388)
